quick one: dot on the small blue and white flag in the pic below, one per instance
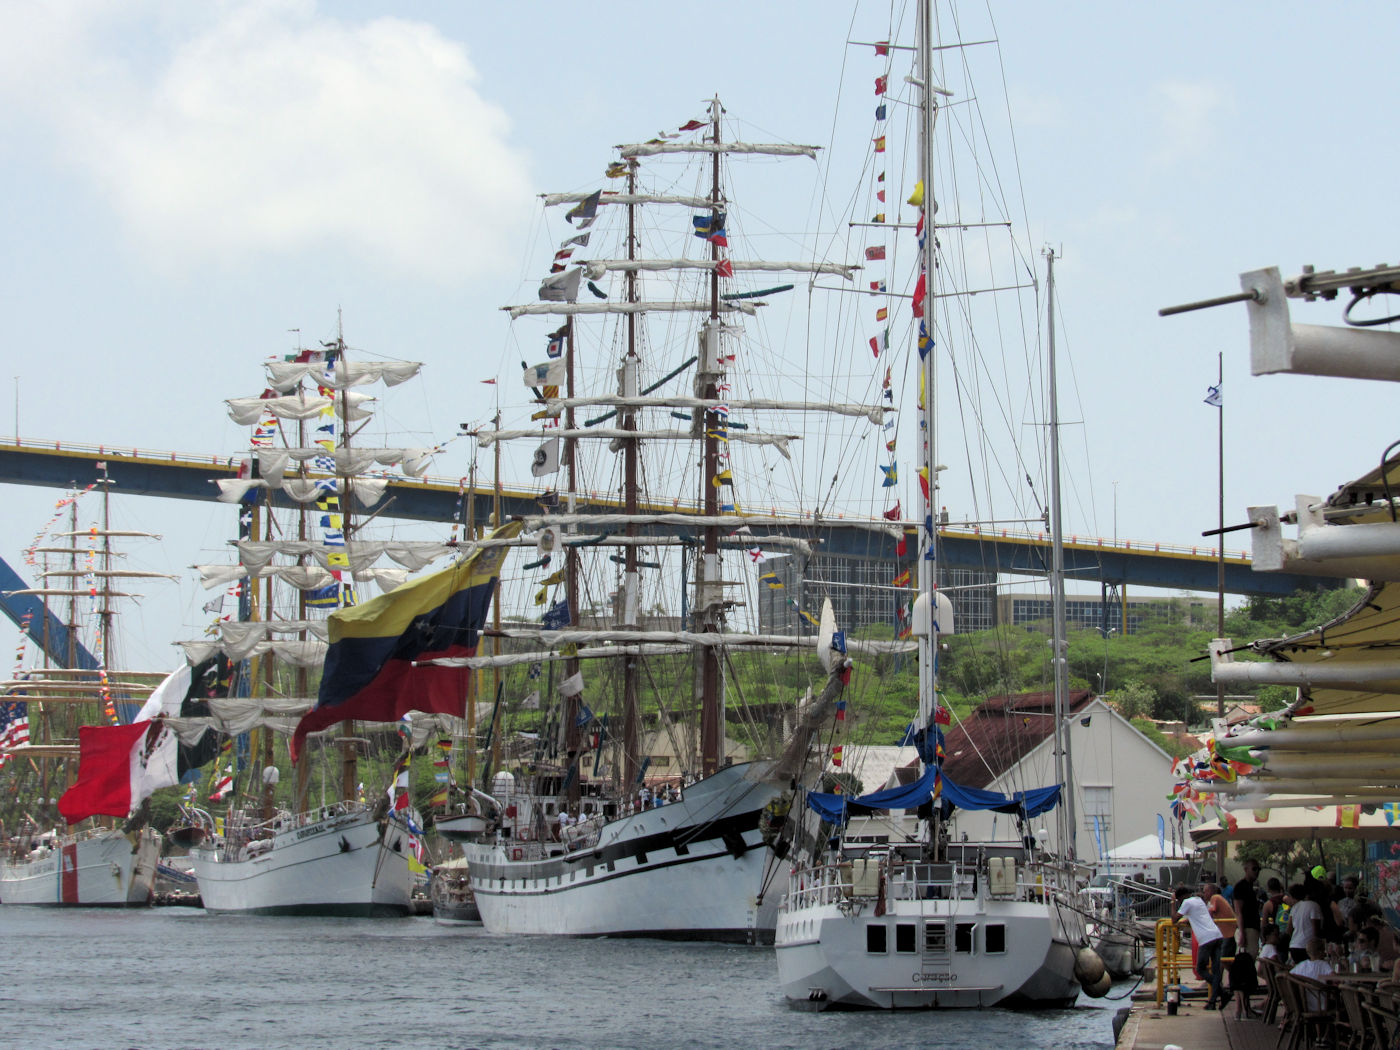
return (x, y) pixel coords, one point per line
(1213, 396)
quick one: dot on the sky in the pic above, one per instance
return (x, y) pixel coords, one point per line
(188, 189)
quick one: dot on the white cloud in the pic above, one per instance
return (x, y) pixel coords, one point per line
(231, 132)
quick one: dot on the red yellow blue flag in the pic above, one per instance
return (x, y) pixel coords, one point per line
(376, 666)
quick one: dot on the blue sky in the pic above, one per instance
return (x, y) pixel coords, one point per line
(183, 184)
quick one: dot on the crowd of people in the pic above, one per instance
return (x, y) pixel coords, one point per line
(1314, 927)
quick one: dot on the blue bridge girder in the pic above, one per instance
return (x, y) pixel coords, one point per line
(39, 622)
(171, 475)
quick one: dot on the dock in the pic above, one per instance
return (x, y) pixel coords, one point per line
(1193, 1027)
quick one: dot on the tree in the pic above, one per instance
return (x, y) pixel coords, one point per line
(1292, 858)
(1133, 699)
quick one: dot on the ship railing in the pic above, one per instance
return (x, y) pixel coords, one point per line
(924, 881)
(819, 884)
(583, 835)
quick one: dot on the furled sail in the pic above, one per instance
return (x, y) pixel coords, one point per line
(779, 149)
(360, 554)
(654, 307)
(596, 268)
(875, 413)
(274, 462)
(246, 411)
(551, 199)
(368, 491)
(781, 441)
(284, 375)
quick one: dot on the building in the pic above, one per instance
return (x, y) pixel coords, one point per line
(1106, 613)
(863, 593)
(1121, 778)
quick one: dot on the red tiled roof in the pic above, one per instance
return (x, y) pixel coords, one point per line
(1000, 732)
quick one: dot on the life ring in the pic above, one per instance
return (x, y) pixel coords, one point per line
(516, 853)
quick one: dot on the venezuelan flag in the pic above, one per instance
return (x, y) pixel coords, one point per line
(370, 670)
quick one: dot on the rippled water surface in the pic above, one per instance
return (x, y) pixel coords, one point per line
(175, 977)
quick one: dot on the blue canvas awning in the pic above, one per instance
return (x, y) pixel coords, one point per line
(835, 809)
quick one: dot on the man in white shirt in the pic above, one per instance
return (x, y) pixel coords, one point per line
(1316, 967)
(1305, 923)
(1209, 942)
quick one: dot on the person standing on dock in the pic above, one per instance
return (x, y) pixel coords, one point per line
(1247, 907)
(1306, 923)
(1209, 942)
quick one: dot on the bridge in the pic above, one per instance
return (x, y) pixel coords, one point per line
(1122, 564)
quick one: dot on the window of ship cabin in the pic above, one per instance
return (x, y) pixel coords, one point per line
(963, 935)
(906, 938)
(877, 939)
(994, 938)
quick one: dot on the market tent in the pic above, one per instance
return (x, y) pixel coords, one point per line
(1147, 848)
(1297, 822)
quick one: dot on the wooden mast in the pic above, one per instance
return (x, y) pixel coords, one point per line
(707, 589)
(349, 742)
(495, 615)
(572, 735)
(473, 676)
(631, 591)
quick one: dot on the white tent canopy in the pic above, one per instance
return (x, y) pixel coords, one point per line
(1295, 822)
(1147, 848)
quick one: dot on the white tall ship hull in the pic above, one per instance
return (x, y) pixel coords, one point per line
(341, 865)
(932, 936)
(691, 870)
(108, 869)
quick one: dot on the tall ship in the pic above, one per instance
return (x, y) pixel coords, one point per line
(931, 921)
(625, 809)
(321, 841)
(73, 623)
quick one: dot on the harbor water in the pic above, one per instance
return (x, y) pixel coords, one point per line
(176, 977)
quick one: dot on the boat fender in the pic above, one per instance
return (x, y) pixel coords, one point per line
(1098, 989)
(1088, 967)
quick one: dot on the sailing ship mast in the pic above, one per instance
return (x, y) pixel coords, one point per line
(708, 608)
(631, 589)
(1064, 766)
(572, 730)
(925, 612)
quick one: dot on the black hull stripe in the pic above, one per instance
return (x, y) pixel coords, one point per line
(485, 889)
(681, 840)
